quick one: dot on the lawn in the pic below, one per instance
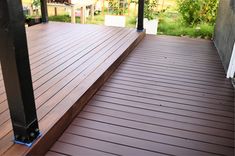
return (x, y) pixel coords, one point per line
(98, 19)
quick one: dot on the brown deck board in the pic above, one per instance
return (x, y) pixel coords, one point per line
(184, 99)
(167, 88)
(171, 116)
(161, 129)
(67, 60)
(169, 97)
(54, 154)
(78, 150)
(122, 139)
(137, 132)
(158, 120)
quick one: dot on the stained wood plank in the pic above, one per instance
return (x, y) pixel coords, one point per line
(169, 88)
(50, 153)
(134, 116)
(136, 132)
(157, 111)
(177, 84)
(105, 145)
(168, 97)
(133, 142)
(77, 150)
(165, 130)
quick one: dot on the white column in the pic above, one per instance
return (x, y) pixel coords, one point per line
(73, 18)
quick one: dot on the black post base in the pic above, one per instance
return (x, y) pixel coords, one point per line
(26, 135)
(140, 30)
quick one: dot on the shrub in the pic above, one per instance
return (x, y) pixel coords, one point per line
(149, 6)
(198, 11)
(117, 7)
(209, 11)
(36, 3)
(190, 10)
(170, 24)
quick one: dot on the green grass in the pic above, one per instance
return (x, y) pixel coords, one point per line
(130, 21)
(98, 19)
(61, 18)
(170, 24)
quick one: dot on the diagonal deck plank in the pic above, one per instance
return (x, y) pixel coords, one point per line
(67, 60)
(169, 97)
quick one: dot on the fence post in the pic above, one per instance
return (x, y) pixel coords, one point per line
(44, 11)
(73, 16)
(140, 25)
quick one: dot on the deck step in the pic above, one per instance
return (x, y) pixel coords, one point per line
(95, 63)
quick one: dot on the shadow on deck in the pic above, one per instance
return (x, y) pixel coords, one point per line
(169, 97)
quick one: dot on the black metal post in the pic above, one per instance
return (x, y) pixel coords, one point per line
(140, 25)
(44, 11)
(16, 71)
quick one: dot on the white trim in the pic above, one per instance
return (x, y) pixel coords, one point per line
(115, 20)
(231, 68)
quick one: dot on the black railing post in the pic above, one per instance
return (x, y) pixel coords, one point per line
(44, 11)
(16, 72)
(140, 25)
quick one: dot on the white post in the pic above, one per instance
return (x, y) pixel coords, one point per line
(92, 11)
(83, 15)
(73, 18)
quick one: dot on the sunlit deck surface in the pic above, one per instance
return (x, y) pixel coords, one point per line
(69, 62)
(169, 97)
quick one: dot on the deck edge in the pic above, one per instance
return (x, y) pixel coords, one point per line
(48, 139)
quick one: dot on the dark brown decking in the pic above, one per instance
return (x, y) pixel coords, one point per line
(69, 62)
(169, 97)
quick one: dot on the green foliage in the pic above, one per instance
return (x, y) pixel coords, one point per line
(36, 3)
(190, 10)
(60, 18)
(170, 24)
(131, 21)
(149, 9)
(99, 19)
(209, 11)
(198, 11)
(117, 7)
(28, 17)
(134, 1)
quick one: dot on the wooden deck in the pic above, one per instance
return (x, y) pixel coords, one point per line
(169, 97)
(69, 62)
